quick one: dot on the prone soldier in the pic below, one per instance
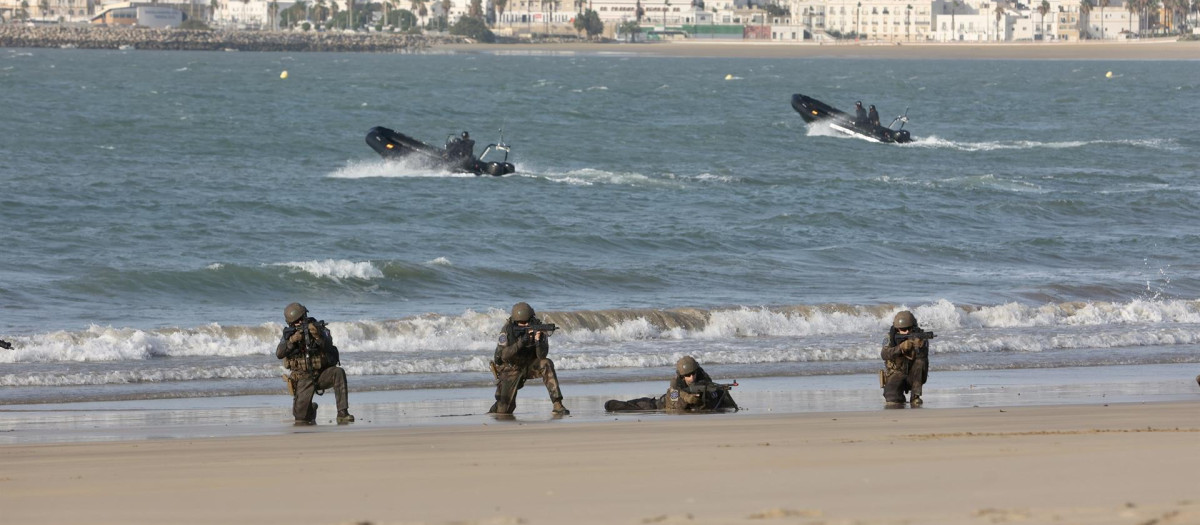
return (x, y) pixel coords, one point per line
(692, 390)
(308, 352)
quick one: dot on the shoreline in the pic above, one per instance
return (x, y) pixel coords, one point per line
(1049, 464)
(386, 410)
(1134, 50)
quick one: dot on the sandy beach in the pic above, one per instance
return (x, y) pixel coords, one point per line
(1168, 49)
(1099, 464)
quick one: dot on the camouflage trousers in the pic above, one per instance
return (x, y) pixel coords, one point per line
(902, 379)
(511, 377)
(641, 403)
(307, 384)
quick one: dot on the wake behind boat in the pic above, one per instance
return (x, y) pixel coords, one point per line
(813, 110)
(458, 155)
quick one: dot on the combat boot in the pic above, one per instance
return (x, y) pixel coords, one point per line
(344, 418)
(916, 401)
(311, 418)
(560, 409)
(1198, 380)
(893, 404)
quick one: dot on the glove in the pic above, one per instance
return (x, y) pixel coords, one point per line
(909, 347)
(288, 332)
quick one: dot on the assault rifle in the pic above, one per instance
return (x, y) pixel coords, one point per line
(547, 328)
(924, 336)
(5, 345)
(703, 388)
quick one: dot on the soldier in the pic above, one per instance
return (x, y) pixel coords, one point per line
(520, 355)
(692, 390)
(907, 357)
(873, 116)
(860, 114)
(307, 350)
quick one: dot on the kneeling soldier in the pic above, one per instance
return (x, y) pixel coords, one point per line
(520, 355)
(307, 350)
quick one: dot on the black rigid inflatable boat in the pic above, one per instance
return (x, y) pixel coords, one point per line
(813, 110)
(456, 156)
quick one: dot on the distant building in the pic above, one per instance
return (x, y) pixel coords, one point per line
(47, 10)
(154, 16)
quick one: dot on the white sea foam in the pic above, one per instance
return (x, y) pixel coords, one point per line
(588, 340)
(932, 141)
(337, 269)
(400, 168)
(440, 261)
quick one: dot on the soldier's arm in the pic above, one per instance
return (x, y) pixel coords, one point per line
(543, 347)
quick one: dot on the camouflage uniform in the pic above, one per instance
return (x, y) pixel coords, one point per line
(314, 371)
(907, 366)
(680, 397)
(517, 358)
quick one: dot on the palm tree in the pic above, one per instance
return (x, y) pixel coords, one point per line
(857, 10)
(666, 7)
(1042, 10)
(1085, 14)
(1132, 7)
(1000, 16)
(213, 5)
(1150, 6)
(273, 12)
(418, 7)
(953, 25)
(476, 10)
(1103, 4)
(499, 5)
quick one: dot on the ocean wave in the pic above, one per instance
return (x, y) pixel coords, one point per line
(436, 343)
(932, 141)
(337, 269)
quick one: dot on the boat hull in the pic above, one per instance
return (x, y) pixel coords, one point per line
(392, 145)
(813, 110)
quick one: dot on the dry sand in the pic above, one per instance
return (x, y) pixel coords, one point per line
(1095, 464)
(1133, 50)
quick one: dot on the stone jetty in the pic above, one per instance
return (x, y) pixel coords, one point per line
(88, 37)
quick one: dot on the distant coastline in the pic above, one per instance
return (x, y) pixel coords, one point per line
(1157, 49)
(85, 37)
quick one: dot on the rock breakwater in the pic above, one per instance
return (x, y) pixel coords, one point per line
(87, 37)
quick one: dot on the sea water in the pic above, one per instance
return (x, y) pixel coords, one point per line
(161, 208)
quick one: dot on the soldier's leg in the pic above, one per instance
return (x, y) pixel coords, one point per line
(302, 400)
(641, 403)
(334, 378)
(544, 368)
(506, 390)
(895, 383)
(916, 379)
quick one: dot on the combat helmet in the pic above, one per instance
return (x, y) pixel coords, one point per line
(686, 365)
(294, 312)
(904, 320)
(522, 312)
(465, 135)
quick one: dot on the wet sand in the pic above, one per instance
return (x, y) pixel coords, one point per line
(1150, 49)
(1129, 463)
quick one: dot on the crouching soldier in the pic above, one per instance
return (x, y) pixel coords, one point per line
(307, 351)
(520, 355)
(906, 354)
(692, 390)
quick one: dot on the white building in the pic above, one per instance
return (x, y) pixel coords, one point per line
(250, 14)
(54, 10)
(1111, 23)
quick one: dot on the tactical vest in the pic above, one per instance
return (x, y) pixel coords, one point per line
(318, 352)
